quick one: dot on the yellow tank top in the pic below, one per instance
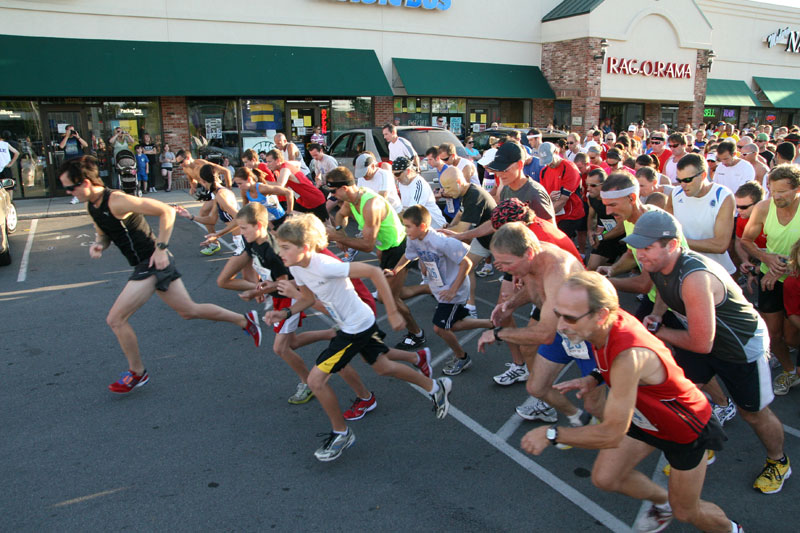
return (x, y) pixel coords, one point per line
(780, 238)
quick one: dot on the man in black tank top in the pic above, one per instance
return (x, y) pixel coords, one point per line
(722, 333)
(119, 218)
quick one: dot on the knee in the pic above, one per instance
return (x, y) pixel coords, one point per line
(535, 389)
(316, 379)
(383, 367)
(186, 313)
(114, 321)
(438, 330)
(682, 512)
(605, 480)
(222, 281)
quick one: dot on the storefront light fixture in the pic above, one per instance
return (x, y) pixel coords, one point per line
(603, 48)
(711, 55)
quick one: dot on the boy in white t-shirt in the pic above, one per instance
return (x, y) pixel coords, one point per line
(320, 277)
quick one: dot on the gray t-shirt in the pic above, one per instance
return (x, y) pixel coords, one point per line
(533, 194)
(441, 256)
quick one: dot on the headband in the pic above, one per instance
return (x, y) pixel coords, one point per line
(621, 193)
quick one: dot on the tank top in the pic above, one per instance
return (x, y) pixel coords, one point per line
(674, 410)
(223, 215)
(133, 236)
(274, 209)
(391, 231)
(698, 217)
(780, 238)
(306, 193)
(741, 334)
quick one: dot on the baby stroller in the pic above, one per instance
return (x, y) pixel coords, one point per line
(125, 163)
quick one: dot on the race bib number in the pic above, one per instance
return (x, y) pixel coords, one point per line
(641, 421)
(608, 223)
(578, 350)
(433, 275)
(450, 205)
(264, 273)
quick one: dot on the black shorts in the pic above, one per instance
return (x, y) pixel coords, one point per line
(320, 211)
(685, 456)
(770, 301)
(448, 314)
(571, 227)
(610, 249)
(391, 256)
(163, 277)
(276, 223)
(344, 346)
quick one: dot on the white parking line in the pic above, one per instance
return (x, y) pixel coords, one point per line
(791, 431)
(220, 240)
(23, 264)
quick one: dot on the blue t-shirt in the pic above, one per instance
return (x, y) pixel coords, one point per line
(72, 149)
(141, 166)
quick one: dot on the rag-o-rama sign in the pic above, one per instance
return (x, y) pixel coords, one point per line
(441, 5)
(785, 36)
(655, 69)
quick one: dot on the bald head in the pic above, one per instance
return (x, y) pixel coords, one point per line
(453, 182)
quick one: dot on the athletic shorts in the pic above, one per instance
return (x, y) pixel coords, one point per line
(749, 384)
(287, 325)
(685, 456)
(556, 353)
(276, 223)
(391, 256)
(163, 277)
(476, 248)
(507, 277)
(610, 249)
(571, 227)
(344, 346)
(320, 211)
(141, 177)
(791, 295)
(448, 314)
(770, 301)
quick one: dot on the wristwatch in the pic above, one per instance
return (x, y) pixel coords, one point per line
(496, 331)
(162, 245)
(338, 228)
(552, 434)
(600, 237)
(288, 312)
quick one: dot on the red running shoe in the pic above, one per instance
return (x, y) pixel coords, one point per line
(129, 381)
(360, 408)
(424, 363)
(252, 328)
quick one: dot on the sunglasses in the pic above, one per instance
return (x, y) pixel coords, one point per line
(334, 187)
(70, 188)
(689, 179)
(570, 142)
(593, 184)
(674, 145)
(470, 142)
(747, 153)
(569, 319)
(743, 207)
(656, 141)
(398, 173)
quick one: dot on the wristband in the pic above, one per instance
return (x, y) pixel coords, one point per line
(288, 312)
(191, 217)
(598, 376)
(496, 331)
(338, 228)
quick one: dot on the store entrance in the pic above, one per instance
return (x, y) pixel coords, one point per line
(301, 119)
(55, 121)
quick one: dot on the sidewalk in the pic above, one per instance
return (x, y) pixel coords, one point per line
(30, 208)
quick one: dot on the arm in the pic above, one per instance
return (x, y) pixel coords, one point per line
(306, 300)
(227, 202)
(101, 242)
(373, 214)
(283, 177)
(640, 284)
(83, 143)
(121, 205)
(13, 159)
(541, 332)
(755, 225)
(723, 229)
(697, 292)
(479, 231)
(222, 171)
(626, 263)
(63, 141)
(375, 274)
(266, 189)
(463, 268)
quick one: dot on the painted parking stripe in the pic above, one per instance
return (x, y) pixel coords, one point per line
(23, 264)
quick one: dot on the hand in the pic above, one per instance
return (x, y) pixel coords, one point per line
(487, 337)
(604, 271)
(396, 320)
(535, 441)
(769, 279)
(775, 264)
(182, 211)
(745, 267)
(651, 319)
(95, 250)
(448, 232)
(593, 240)
(583, 385)
(274, 316)
(555, 195)
(160, 259)
(287, 289)
(249, 294)
(448, 295)
(752, 282)
(210, 238)
(500, 314)
(388, 272)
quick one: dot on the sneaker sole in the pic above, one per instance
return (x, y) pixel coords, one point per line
(448, 388)
(349, 443)
(363, 412)
(548, 419)
(785, 477)
(301, 402)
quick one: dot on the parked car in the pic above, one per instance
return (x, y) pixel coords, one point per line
(482, 138)
(8, 220)
(350, 143)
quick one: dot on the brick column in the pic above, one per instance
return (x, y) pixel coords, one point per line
(573, 73)
(744, 116)
(686, 115)
(175, 128)
(652, 115)
(543, 112)
(384, 110)
(700, 81)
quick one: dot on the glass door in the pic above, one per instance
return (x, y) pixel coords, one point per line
(303, 117)
(64, 129)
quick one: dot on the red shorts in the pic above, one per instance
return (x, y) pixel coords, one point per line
(294, 321)
(791, 295)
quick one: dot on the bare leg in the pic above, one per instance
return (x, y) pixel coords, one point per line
(205, 210)
(178, 299)
(776, 342)
(353, 380)
(318, 383)
(506, 290)
(715, 391)
(396, 284)
(401, 355)
(409, 291)
(472, 323)
(227, 278)
(305, 338)
(282, 347)
(613, 471)
(473, 279)
(132, 297)
(685, 487)
(540, 385)
(768, 429)
(596, 260)
(452, 341)
(386, 367)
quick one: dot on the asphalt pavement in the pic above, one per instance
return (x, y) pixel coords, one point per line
(210, 443)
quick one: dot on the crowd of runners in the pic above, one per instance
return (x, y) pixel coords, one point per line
(703, 225)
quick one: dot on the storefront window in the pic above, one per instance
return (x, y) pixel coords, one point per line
(134, 117)
(21, 128)
(448, 113)
(350, 113)
(764, 116)
(562, 114)
(214, 129)
(411, 111)
(515, 113)
(261, 120)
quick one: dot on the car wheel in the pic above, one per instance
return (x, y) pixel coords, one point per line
(11, 219)
(5, 256)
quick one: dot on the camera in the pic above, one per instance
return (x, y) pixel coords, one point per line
(652, 327)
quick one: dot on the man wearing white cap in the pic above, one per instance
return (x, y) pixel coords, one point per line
(381, 181)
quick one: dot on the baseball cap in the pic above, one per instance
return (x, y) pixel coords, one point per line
(711, 156)
(508, 154)
(595, 149)
(792, 138)
(546, 151)
(651, 226)
(362, 162)
(762, 137)
(401, 163)
(632, 128)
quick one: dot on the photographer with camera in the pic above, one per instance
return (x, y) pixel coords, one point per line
(73, 146)
(120, 141)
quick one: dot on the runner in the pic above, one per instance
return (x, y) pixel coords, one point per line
(253, 189)
(119, 218)
(308, 199)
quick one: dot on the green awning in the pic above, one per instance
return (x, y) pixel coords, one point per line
(782, 93)
(423, 77)
(43, 66)
(734, 93)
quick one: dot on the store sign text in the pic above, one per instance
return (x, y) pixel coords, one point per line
(656, 69)
(441, 5)
(791, 38)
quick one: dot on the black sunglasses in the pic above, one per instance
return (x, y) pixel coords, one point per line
(569, 319)
(398, 173)
(689, 179)
(656, 141)
(743, 207)
(70, 188)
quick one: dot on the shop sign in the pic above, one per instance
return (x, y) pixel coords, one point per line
(132, 111)
(787, 36)
(709, 112)
(656, 69)
(771, 118)
(728, 113)
(441, 5)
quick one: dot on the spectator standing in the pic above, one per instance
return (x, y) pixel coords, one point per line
(317, 137)
(151, 151)
(142, 169)
(167, 160)
(472, 152)
(121, 140)
(226, 162)
(7, 160)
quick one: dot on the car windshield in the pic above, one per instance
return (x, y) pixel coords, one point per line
(421, 140)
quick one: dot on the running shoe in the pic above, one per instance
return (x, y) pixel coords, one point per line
(472, 310)
(360, 408)
(512, 375)
(440, 398)
(128, 381)
(252, 328)
(710, 458)
(424, 363)
(350, 254)
(774, 362)
(486, 270)
(334, 445)
(654, 520)
(724, 414)
(411, 341)
(456, 366)
(211, 249)
(74, 200)
(785, 381)
(772, 477)
(537, 410)
(302, 395)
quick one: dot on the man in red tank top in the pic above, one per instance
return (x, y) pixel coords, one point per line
(651, 405)
(308, 198)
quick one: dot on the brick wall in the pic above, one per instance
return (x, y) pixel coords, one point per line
(543, 111)
(700, 79)
(652, 115)
(175, 128)
(573, 73)
(384, 110)
(744, 116)
(686, 112)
